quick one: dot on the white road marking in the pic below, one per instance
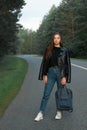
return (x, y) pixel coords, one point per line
(79, 66)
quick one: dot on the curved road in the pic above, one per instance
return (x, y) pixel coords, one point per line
(21, 112)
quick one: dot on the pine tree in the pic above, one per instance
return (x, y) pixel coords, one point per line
(10, 11)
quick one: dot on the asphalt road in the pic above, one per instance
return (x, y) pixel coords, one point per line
(21, 112)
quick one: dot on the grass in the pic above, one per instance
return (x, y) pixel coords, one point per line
(12, 73)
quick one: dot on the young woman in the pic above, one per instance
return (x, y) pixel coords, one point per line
(55, 67)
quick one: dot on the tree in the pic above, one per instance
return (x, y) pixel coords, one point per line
(9, 16)
(27, 41)
(70, 19)
(46, 30)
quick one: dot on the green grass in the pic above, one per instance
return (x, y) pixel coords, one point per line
(12, 73)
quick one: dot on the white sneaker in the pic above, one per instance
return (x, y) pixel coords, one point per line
(58, 115)
(39, 117)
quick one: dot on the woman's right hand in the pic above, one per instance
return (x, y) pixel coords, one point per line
(45, 78)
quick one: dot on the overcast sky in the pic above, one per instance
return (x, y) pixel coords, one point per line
(34, 11)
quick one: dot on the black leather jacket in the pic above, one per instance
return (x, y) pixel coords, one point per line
(63, 63)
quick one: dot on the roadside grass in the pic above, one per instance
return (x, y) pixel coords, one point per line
(12, 73)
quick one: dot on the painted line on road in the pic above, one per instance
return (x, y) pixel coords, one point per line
(79, 66)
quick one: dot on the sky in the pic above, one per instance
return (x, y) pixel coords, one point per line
(34, 11)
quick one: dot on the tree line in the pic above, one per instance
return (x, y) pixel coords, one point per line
(70, 19)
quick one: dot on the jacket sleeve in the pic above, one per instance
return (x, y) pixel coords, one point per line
(41, 71)
(46, 67)
(68, 66)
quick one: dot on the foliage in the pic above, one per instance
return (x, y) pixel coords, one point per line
(70, 19)
(9, 16)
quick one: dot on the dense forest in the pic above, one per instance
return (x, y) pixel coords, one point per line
(70, 19)
(10, 12)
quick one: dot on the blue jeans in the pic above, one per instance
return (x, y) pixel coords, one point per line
(53, 76)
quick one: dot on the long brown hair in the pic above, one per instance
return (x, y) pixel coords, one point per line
(50, 47)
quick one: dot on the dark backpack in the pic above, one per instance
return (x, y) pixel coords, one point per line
(64, 99)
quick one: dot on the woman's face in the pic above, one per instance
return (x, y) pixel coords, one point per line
(57, 39)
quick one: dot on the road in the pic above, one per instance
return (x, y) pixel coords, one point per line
(21, 112)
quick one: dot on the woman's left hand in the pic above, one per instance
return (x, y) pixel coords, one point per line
(63, 81)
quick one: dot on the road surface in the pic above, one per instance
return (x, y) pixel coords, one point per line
(21, 112)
